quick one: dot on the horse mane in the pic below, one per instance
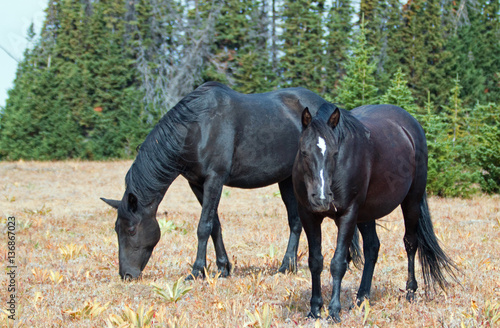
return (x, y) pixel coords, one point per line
(348, 125)
(156, 163)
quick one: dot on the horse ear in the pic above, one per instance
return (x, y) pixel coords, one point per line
(334, 118)
(111, 202)
(132, 202)
(306, 117)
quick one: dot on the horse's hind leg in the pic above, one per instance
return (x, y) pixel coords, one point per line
(371, 246)
(209, 225)
(290, 259)
(411, 213)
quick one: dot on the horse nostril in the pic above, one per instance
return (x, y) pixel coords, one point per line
(127, 277)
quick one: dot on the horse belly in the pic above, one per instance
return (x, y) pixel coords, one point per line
(391, 179)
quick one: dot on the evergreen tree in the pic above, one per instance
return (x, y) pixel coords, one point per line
(76, 79)
(452, 168)
(424, 56)
(303, 59)
(339, 29)
(358, 86)
(399, 94)
(390, 44)
(488, 145)
(487, 53)
(254, 72)
(240, 57)
(435, 126)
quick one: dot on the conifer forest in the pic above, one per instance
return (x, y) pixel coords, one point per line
(100, 73)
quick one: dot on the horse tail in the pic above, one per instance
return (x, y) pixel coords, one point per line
(433, 260)
(355, 251)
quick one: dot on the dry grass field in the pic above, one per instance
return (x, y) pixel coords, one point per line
(67, 262)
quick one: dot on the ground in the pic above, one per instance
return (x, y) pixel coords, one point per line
(66, 259)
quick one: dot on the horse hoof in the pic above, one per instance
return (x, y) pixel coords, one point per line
(335, 318)
(287, 268)
(225, 270)
(410, 296)
(359, 302)
(314, 316)
(194, 275)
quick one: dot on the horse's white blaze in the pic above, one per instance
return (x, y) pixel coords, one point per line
(322, 145)
(322, 196)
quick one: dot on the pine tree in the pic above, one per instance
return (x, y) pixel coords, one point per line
(358, 86)
(452, 168)
(424, 55)
(487, 53)
(253, 72)
(487, 150)
(303, 59)
(71, 94)
(391, 46)
(399, 94)
(338, 42)
(240, 43)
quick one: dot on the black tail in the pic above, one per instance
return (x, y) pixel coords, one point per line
(355, 251)
(435, 263)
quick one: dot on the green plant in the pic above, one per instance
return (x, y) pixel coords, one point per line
(132, 319)
(70, 251)
(174, 293)
(89, 310)
(169, 226)
(260, 319)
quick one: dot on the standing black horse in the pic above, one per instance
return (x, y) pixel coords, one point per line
(213, 137)
(356, 167)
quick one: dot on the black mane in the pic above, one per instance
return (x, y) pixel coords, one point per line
(348, 125)
(156, 164)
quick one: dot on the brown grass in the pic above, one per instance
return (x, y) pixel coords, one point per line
(66, 252)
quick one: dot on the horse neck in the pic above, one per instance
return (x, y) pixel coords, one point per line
(149, 180)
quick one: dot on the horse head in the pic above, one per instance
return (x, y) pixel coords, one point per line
(316, 159)
(138, 233)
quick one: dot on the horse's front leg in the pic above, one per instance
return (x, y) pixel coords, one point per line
(346, 226)
(223, 264)
(289, 262)
(371, 246)
(312, 228)
(212, 189)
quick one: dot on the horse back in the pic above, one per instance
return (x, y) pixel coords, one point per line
(251, 139)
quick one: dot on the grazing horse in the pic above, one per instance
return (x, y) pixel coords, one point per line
(356, 167)
(213, 137)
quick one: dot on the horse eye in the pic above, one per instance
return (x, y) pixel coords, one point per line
(303, 153)
(132, 230)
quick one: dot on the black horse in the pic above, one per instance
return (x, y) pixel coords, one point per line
(213, 137)
(356, 167)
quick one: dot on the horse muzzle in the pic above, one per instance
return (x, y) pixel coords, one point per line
(320, 204)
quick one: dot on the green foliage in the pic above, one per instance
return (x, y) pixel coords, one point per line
(74, 94)
(487, 150)
(174, 293)
(338, 41)
(424, 56)
(399, 94)
(452, 168)
(302, 61)
(358, 86)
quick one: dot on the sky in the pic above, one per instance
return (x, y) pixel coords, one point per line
(15, 18)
